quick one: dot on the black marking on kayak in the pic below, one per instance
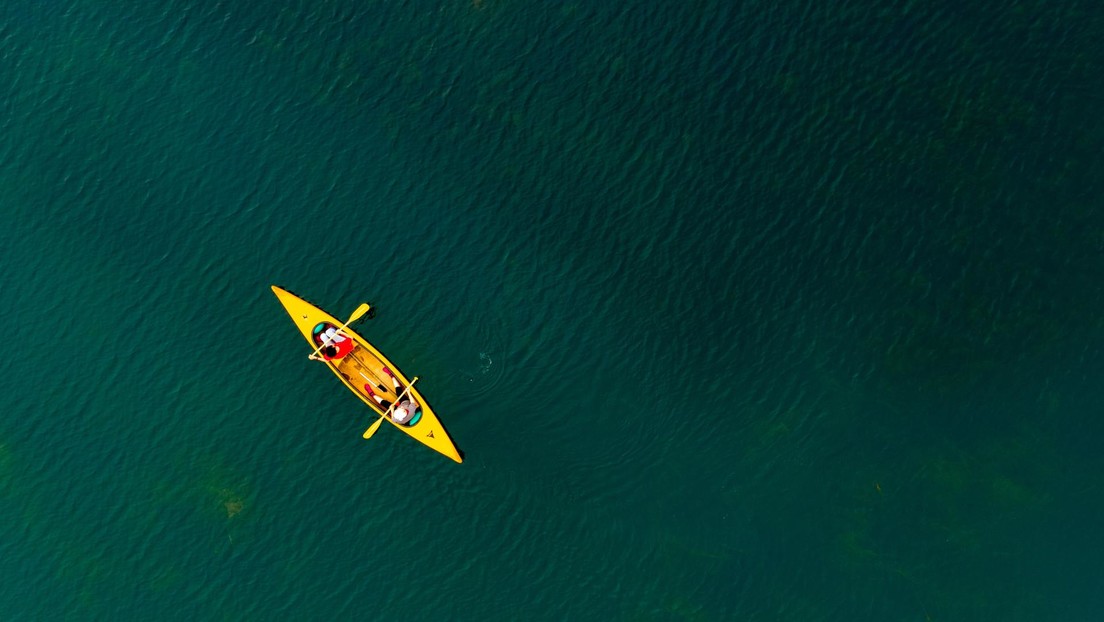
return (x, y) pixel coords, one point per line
(430, 435)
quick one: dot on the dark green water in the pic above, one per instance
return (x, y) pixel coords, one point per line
(739, 311)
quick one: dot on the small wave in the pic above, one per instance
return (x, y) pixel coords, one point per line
(482, 372)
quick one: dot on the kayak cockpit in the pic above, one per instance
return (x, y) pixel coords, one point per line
(369, 376)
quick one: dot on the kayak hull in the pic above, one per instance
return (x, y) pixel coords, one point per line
(366, 372)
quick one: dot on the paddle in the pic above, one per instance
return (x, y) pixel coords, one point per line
(360, 311)
(379, 385)
(375, 426)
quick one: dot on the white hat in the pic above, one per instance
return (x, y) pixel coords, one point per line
(400, 413)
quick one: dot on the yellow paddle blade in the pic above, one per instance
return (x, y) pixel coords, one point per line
(372, 430)
(360, 311)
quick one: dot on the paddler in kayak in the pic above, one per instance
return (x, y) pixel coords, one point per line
(407, 412)
(335, 345)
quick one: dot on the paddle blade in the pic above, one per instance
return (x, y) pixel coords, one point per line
(372, 430)
(360, 311)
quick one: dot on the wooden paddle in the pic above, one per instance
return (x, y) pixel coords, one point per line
(375, 426)
(360, 311)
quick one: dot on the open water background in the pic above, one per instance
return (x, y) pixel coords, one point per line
(739, 310)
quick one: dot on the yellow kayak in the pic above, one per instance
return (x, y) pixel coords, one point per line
(368, 374)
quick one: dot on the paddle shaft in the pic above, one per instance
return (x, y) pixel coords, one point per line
(375, 426)
(399, 398)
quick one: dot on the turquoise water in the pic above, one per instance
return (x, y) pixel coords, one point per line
(761, 311)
